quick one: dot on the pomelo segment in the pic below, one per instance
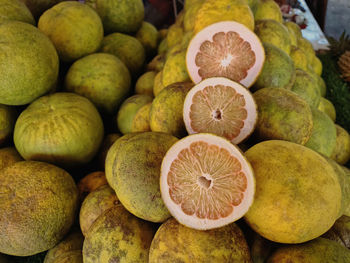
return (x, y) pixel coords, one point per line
(220, 106)
(225, 49)
(206, 182)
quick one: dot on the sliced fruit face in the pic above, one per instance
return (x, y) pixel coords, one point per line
(225, 49)
(206, 182)
(220, 106)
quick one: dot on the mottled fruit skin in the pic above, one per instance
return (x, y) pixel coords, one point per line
(149, 37)
(174, 242)
(7, 122)
(315, 251)
(268, 9)
(15, 10)
(298, 195)
(27, 50)
(118, 236)
(91, 182)
(9, 156)
(341, 152)
(102, 78)
(75, 29)
(144, 84)
(62, 128)
(38, 203)
(175, 69)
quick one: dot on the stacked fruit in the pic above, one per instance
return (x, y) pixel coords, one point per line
(209, 141)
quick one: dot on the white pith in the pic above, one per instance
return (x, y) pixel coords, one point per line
(193, 221)
(249, 122)
(226, 26)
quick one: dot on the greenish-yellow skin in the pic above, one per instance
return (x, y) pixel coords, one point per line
(323, 137)
(327, 107)
(340, 231)
(102, 78)
(71, 243)
(63, 128)
(148, 35)
(141, 121)
(95, 204)
(15, 10)
(315, 251)
(156, 64)
(268, 9)
(292, 36)
(341, 152)
(127, 48)
(91, 182)
(8, 157)
(175, 69)
(278, 70)
(273, 32)
(25, 49)
(38, 203)
(174, 242)
(7, 122)
(37, 7)
(294, 28)
(299, 58)
(282, 115)
(106, 144)
(320, 82)
(306, 46)
(166, 114)
(135, 171)
(118, 236)
(158, 85)
(316, 65)
(213, 11)
(306, 87)
(74, 28)
(297, 196)
(162, 47)
(145, 83)
(190, 15)
(128, 110)
(174, 35)
(125, 16)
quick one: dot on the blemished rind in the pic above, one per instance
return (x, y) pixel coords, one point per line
(193, 221)
(141, 121)
(158, 85)
(27, 50)
(7, 122)
(327, 107)
(207, 34)
(166, 109)
(118, 236)
(74, 256)
(299, 58)
(292, 26)
(149, 37)
(268, 9)
(39, 204)
(61, 128)
(317, 250)
(9, 156)
(341, 152)
(90, 182)
(298, 195)
(145, 83)
(15, 10)
(174, 242)
(282, 115)
(174, 69)
(74, 28)
(249, 105)
(133, 171)
(323, 135)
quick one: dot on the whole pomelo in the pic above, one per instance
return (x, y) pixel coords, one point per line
(118, 236)
(341, 152)
(62, 128)
(158, 85)
(327, 107)
(15, 10)
(145, 83)
(74, 256)
(298, 195)
(134, 170)
(7, 122)
(320, 82)
(175, 69)
(157, 63)
(174, 242)
(27, 50)
(299, 58)
(90, 183)
(38, 204)
(149, 37)
(141, 120)
(268, 9)
(190, 15)
(125, 16)
(306, 46)
(75, 29)
(316, 65)
(102, 78)
(292, 26)
(282, 115)
(9, 156)
(174, 35)
(127, 48)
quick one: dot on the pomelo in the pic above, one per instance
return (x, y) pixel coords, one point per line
(341, 152)
(9, 156)
(141, 120)
(15, 10)
(91, 182)
(145, 83)
(268, 9)
(174, 69)
(158, 85)
(299, 58)
(148, 35)
(327, 107)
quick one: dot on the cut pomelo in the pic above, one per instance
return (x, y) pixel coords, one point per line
(225, 49)
(220, 106)
(206, 182)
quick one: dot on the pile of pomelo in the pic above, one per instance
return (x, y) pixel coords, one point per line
(208, 141)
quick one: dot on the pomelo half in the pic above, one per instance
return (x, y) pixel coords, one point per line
(220, 106)
(206, 182)
(225, 49)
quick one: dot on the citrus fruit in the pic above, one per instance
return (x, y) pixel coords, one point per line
(174, 242)
(298, 195)
(102, 78)
(156, 64)
(141, 120)
(94, 205)
(341, 152)
(162, 47)
(316, 65)
(158, 85)
(15, 10)
(38, 204)
(268, 9)
(91, 182)
(174, 69)
(166, 110)
(37, 7)
(145, 83)
(74, 28)
(292, 26)
(299, 58)
(220, 106)
(61, 128)
(225, 49)
(149, 37)
(27, 50)
(118, 236)
(320, 82)
(327, 107)
(174, 35)
(282, 115)
(9, 156)
(190, 15)
(206, 182)
(306, 46)
(7, 122)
